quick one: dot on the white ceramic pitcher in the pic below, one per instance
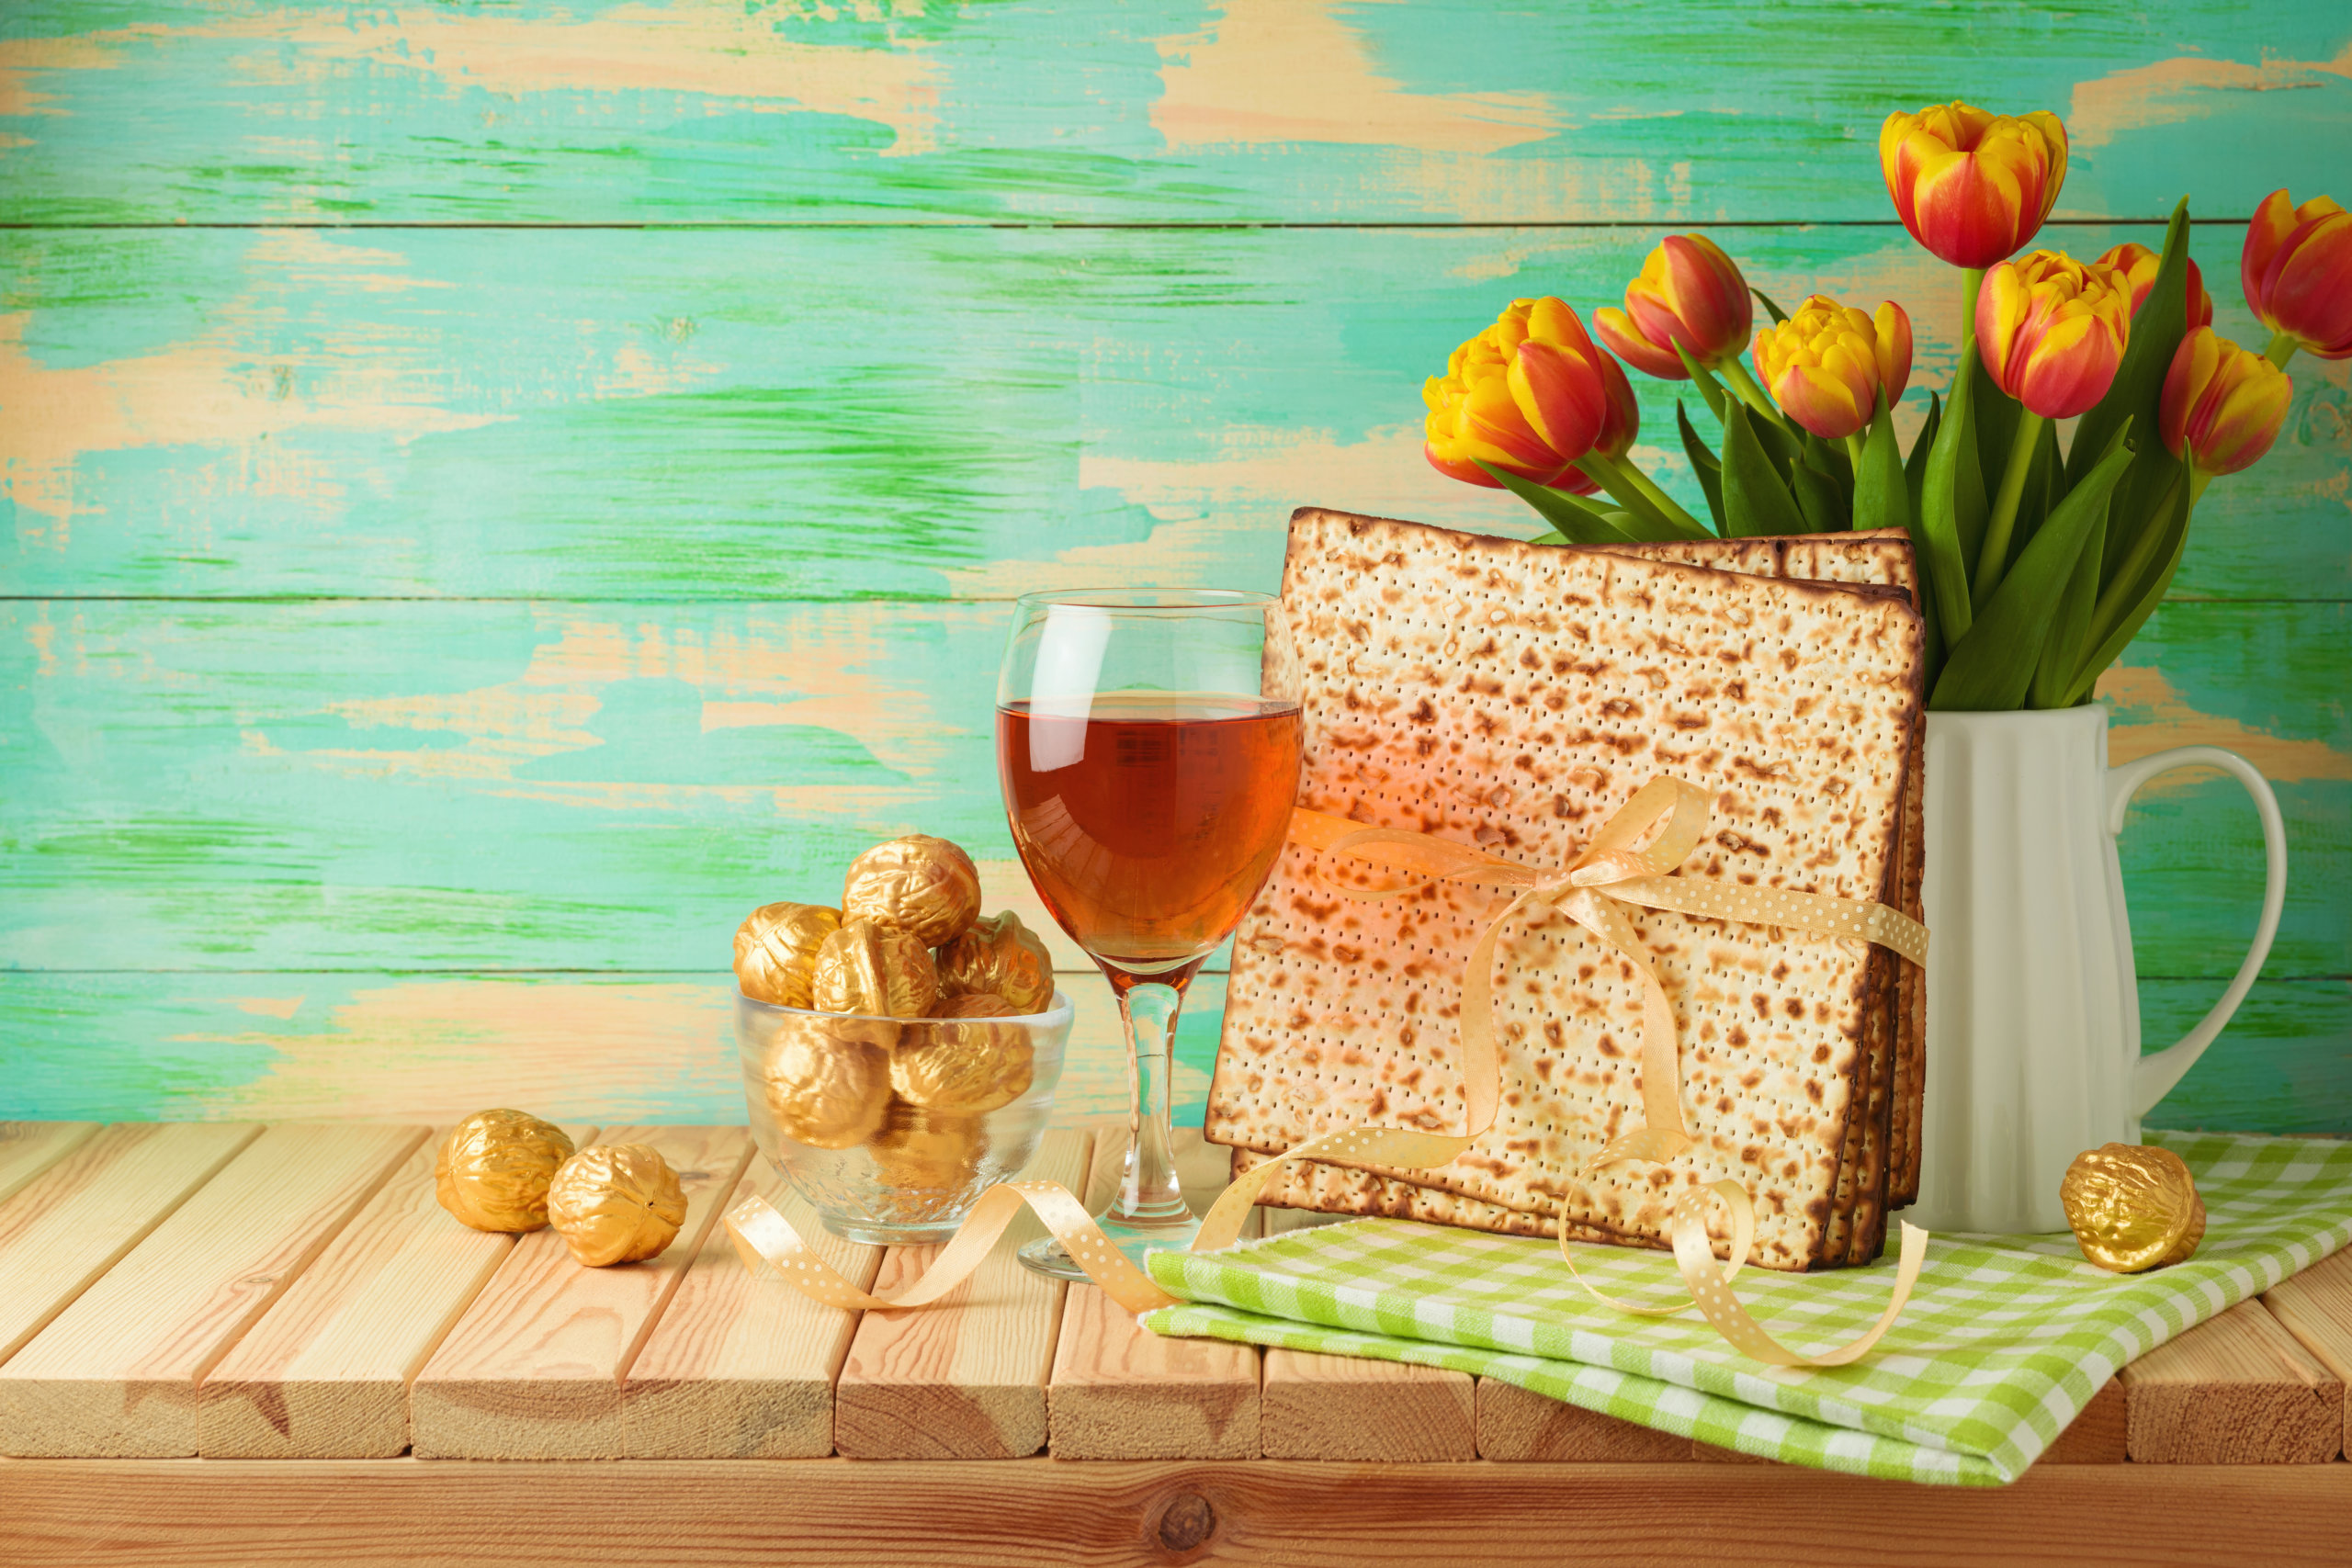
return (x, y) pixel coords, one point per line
(2033, 1011)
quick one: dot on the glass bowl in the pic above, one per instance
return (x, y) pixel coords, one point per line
(829, 1102)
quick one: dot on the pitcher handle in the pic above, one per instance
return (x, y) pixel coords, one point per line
(2158, 1071)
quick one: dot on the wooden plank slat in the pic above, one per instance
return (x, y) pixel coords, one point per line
(1120, 1392)
(743, 1368)
(1517, 1423)
(1339, 1407)
(2099, 1435)
(69, 1226)
(965, 1378)
(1304, 111)
(324, 1374)
(27, 1148)
(534, 1369)
(1042, 1512)
(2315, 1306)
(2236, 1388)
(116, 1372)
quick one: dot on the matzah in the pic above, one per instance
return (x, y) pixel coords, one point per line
(1512, 696)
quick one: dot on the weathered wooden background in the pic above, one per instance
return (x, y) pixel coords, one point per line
(497, 490)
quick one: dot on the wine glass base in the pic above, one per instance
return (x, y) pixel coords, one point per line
(1045, 1255)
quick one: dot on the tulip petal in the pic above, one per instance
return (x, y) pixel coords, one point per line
(1558, 396)
(1616, 330)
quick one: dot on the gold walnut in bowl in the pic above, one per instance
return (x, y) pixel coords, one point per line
(919, 1067)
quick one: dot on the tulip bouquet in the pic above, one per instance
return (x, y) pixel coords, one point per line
(2042, 559)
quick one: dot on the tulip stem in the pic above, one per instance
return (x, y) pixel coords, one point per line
(1854, 450)
(1994, 560)
(1618, 475)
(1751, 394)
(1971, 278)
(2282, 348)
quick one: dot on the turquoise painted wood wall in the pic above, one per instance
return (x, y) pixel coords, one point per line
(496, 490)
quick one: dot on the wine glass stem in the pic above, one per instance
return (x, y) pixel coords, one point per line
(1148, 1188)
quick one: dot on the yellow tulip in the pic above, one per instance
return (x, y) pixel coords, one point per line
(1532, 393)
(1827, 364)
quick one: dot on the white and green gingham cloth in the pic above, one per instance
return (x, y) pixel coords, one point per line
(2005, 1339)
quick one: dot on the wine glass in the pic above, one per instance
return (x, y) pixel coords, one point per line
(1148, 741)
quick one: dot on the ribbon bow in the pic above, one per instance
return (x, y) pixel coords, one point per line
(1610, 873)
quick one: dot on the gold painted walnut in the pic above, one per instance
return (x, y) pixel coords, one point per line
(999, 955)
(965, 1063)
(827, 1081)
(776, 951)
(615, 1203)
(921, 1150)
(2132, 1208)
(875, 970)
(917, 884)
(493, 1169)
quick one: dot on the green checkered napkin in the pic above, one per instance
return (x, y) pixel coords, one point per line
(2005, 1339)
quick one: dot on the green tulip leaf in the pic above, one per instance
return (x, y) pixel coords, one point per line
(1943, 498)
(2054, 676)
(1819, 498)
(1551, 536)
(1881, 498)
(1755, 499)
(2136, 599)
(1991, 667)
(2157, 327)
(1704, 465)
(1580, 521)
(1915, 467)
(1764, 299)
(1704, 379)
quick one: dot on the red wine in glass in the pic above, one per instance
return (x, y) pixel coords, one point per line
(1148, 742)
(1149, 822)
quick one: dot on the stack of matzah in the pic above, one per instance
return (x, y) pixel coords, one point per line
(1513, 697)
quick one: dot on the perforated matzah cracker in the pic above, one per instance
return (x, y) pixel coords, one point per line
(1514, 696)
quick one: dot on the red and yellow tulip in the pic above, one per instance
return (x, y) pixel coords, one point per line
(2297, 268)
(2221, 405)
(1827, 364)
(2051, 330)
(1473, 415)
(2138, 265)
(1972, 187)
(1689, 293)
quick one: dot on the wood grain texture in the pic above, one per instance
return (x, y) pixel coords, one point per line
(116, 1374)
(647, 416)
(741, 1366)
(1043, 1513)
(27, 1148)
(324, 1373)
(2238, 1390)
(70, 1224)
(1119, 1390)
(2315, 1306)
(2100, 1433)
(965, 1378)
(1253, 110)
(1337, 1407)
(534, 1369)
(1515, 1424)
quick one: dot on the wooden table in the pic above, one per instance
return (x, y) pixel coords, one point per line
(237, 1343)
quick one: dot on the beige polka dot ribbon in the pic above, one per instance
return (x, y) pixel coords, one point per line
(1630, 860)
